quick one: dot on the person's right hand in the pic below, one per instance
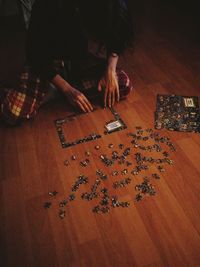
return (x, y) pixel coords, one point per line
(78, 99)
(75, 97)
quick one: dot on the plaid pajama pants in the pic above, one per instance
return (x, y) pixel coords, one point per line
(22, 103)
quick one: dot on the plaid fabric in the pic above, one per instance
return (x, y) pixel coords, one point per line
(24, 101)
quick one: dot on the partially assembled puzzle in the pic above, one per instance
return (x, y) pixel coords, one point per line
(177, 113)
(116, 124)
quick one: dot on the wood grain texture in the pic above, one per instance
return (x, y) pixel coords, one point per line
(162, 231)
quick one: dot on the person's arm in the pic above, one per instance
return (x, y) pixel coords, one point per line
(122, 34)
(109, 82)
(120, 37)
(42, 45)
(112, 61)
(75, 97)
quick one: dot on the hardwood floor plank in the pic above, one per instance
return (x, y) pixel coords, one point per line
(191, 150)
(137, 236)
(89, 256)
(43, 245)
(16, 231)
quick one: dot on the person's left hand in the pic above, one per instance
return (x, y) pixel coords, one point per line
(109, 83)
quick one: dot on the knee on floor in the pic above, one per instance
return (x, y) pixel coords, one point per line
(125, 84)
(8, 117)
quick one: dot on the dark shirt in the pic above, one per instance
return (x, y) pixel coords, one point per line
(56, 32)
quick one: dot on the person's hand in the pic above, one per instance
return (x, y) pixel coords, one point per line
(77, 99)
(109, 83)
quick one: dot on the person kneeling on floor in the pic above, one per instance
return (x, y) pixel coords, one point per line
(74, 46)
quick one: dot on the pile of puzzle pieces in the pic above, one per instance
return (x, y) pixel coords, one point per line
(133, 160)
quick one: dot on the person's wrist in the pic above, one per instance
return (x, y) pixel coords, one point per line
(111, 69)
(66, 88)
(112, 62)
(61, 84)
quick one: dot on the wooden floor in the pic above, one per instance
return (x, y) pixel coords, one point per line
(163, 230)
